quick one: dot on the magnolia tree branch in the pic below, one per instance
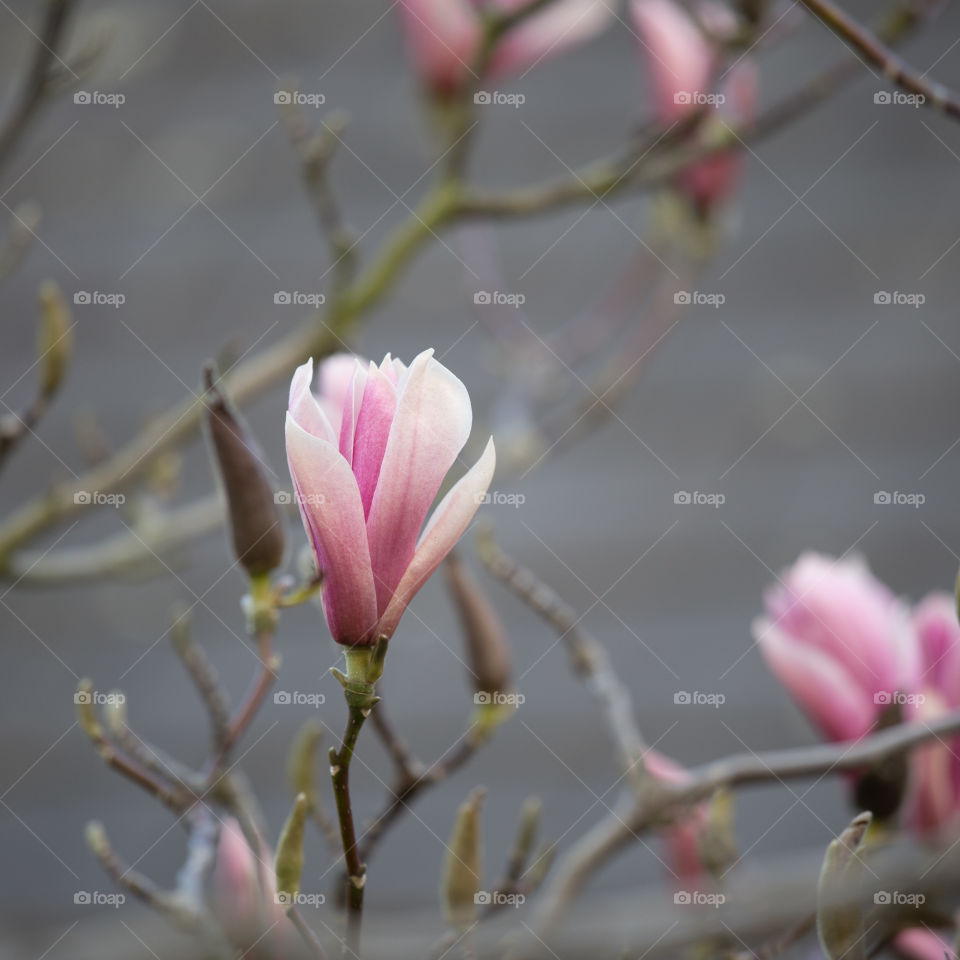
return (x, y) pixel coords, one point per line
(650, 163)
(874, 51)
(37, 81)
(632, 819)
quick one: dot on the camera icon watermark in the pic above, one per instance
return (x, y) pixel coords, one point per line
(299, 98)
(294, 698)
(699, 498)
(498, 699)
(87, 98)
(96, 498)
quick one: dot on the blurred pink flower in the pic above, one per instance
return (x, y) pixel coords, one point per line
(932, 806)
(919, 943)
(243, 902)
(682, 64)
(682, 838)
(444, 36)
(840, 642)
(367, 461)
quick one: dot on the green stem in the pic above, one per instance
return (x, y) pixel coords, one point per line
(356, 869)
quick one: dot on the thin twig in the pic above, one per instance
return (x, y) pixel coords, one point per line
(311, 940)
(877, 53)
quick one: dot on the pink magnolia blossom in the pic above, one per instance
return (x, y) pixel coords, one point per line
(682, 838)
(243, 899)
(367, 458)
(682, 65)
(444, 36)
(933, 802)
(840, 642)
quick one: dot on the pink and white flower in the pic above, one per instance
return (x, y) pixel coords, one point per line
(368, 457)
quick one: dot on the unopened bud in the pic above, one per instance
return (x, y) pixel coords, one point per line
(290, 849)
(462, 869)
(87, 712)
(717, 842)
(115, 713)
(54, 338)
(302, 766)
(839, 915)
(255, 523)
(488, 655)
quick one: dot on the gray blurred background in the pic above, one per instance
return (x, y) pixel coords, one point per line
(856, 199)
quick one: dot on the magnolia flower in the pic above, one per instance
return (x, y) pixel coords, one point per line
(243, 898)
(682, 838)
(933, 801)
(445, 36)
(682, 65)
(840, 642)
(367, 458)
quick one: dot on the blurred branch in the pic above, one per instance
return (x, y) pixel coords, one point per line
(874, 51)
(630, 820)
(588, 657)
(37, 80)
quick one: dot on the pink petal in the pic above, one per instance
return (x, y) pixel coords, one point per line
(333, 518)
(562, 25)
(303, 404)
(446, 526)
(938, 635)
(819, 684)
(351, 409)
(679, 57)
(431, 425)
(918, 943)
(443, 37)
(372, 432)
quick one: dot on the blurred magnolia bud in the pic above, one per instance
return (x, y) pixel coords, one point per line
(54, 338)
(839, 915)
(243, 894)
(255, 523)
(290, 850)
(488, 655)
(462, 868)
(717, 842)
(115, 713)
(86, 711)
(302, 766)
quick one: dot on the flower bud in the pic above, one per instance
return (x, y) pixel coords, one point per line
(255, 523)
(462, 869)
(54, 338)
(840, 918)
(290, 849)
(488, 655)
(302, 765)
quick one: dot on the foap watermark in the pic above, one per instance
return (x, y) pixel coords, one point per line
(299, 899)
(283, 498)
(698, 498)
(500, 498)
(498, 699)
(884, 698)
(94, 898)
(499, 298)
(297, 298)
(113, 699)
(897, 298)
(698, 898)
(96, 98)
(294, 698)
(497, 898)
(699, 298)
(299, 98)
(96, 498)
(699, 699)
(99, 298)
(498, 98)
(896, 898)
(697, 98)
(898, 98)
(897, 498)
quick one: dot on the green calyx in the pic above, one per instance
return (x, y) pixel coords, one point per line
(364, 669)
